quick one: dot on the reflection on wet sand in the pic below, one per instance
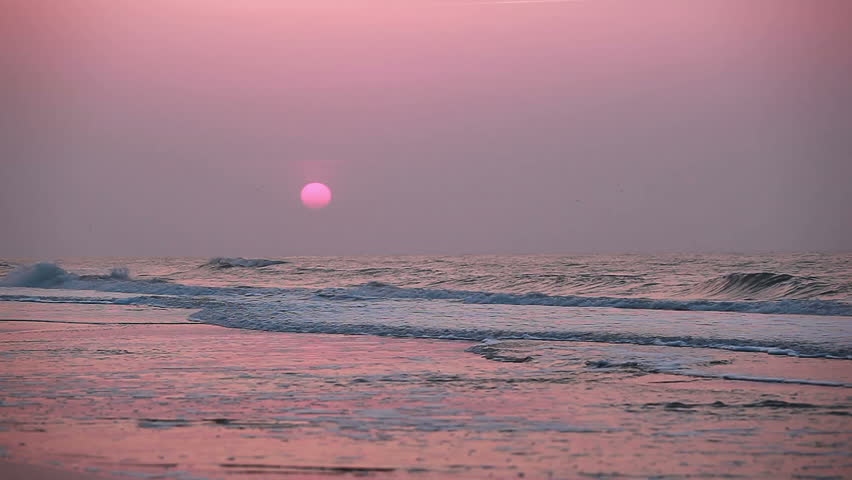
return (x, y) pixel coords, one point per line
(197, 401)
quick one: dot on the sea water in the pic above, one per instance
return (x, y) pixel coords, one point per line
(790, 304)
(623, 366)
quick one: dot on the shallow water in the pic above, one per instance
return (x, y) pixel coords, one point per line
(200, 402)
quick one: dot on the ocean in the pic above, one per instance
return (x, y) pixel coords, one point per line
(429, 367)
(790, 304)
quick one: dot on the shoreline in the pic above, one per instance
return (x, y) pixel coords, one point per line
(177, 401)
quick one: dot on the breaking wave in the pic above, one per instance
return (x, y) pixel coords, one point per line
(51, 275)
(763, 285)
(224, 262)
(39, 275)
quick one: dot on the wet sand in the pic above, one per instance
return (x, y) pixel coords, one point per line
(18, 471)
(192, 401)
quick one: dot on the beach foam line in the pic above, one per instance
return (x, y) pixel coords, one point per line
(277, 313)
(53, 299)
(753, 378)
(237, 316)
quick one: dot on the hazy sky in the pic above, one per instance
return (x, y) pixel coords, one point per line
(188, 127)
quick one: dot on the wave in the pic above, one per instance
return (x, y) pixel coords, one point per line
(792, 306)
(763, 285)
(301, 317)
(39, 275)
(698, 364)
(72, 300)
(224, 262)
(117, 273)
(50, 275)
(268, 318)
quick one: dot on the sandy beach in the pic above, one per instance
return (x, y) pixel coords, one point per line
(426, 239)
(193, 401)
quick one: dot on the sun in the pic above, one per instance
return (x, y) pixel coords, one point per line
(316, 195)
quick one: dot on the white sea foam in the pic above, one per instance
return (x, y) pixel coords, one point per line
(790, 335)
(44, 274)
(698, 363)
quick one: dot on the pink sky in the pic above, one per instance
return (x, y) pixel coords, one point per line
(188, 127)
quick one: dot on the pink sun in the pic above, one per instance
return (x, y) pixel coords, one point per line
(316, 195)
